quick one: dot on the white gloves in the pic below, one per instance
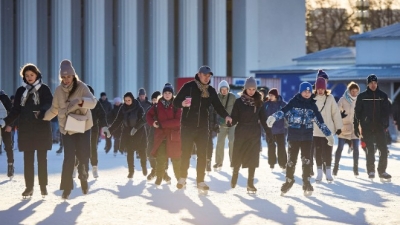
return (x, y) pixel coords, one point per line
(270, 121)
(133, 131)
(2, 123)
(330, 140)
(106, 131)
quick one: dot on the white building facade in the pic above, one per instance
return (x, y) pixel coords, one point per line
(122, 45)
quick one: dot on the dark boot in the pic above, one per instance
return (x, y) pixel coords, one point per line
(335, 169)
(250, 181)
(43, 190)
(65, 194)
(131, 172)
(235, 176)
(28, 192)
(355, 169)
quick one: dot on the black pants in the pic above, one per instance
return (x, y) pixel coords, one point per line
(29, 168)
(7, 140)
(93, 146)
(198, 136)
(379, 139)
(117, 140)
(293, 152)
(277, 140)
(75, 145)
(323, 152)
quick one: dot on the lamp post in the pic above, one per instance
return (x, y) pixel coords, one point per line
(362, 13)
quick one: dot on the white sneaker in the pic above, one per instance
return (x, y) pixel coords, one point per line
(95, 172)
(75, 171)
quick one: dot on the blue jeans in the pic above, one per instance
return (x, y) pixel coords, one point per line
(338, 155)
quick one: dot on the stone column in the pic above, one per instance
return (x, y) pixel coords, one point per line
(127, 47)
(94, 73)
(189, 38)
(62, 34)
(217, 41)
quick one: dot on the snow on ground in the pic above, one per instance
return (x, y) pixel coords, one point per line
(114, 199)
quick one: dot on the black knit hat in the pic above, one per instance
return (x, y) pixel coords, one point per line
(155, 94)
(322, 74)
(371, 78)
(168, 87)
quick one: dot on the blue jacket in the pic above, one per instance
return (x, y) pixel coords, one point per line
(271, 108)
(301, 113)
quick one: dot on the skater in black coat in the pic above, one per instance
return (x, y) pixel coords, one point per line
(248, 112)
(31, 102)
(7, 137)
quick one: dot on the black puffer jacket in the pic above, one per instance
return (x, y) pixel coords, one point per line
(33, 133)
(98, 116)
(372, 110)
(197, 114)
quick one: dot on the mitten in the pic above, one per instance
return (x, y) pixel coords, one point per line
(106, 132)
(339, 131)
(270, 121)
(2, 123)
(330, 140)
(133, 131)
(343, 114)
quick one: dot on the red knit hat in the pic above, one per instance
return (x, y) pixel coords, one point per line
(320, 84)
(274, 91)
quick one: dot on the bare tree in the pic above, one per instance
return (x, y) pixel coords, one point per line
(382, 13)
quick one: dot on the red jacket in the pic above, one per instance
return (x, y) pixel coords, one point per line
(170, 123)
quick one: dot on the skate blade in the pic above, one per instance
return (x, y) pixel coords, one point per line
(317, 181)
(217, 169)
(283, 193)
(308, 193)
(168, 182)
(202, 192)
(251, 192)
(330, 181)
(386, 180)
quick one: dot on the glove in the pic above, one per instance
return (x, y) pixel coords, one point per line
(330, 140)
(343, 114)
(2, 123)
(106, 132)
(75, 101)
(270, 121)
(133, 131)
(339, 131)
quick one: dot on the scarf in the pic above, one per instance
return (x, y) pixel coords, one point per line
(247, 100)
(203, 88)
(348, 97)
(166, 103)
(32, 89)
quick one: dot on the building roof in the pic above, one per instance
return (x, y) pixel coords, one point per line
(354, 73)
(333, 53)
(391, 31)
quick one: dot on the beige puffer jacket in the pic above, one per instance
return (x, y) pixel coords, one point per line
(330, 112)
(61, 107)
(348, 127)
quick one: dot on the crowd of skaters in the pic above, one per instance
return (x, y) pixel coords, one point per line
(171, 125)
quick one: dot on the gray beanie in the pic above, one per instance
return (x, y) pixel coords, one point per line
(250, 83)
(66, 68)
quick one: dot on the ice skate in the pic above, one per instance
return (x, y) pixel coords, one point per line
(144, 170)
(307, 188)
(251, 189)
(181, 183)
(65, 194)
(75, 171)
(166, 178)
(335, 170)
(234, 179)
(10, 171)
(217, 167)
(355, 170)
(318, 178)
(43, 191)
(208, 166)
(158, 181)
(202, 188)
(95, 172)
(130, 174)
(371, 176)
(84, 187)
(152, 175)
(27, 193)
(287, 186)
(59, 151)
(385, 177)
(328, 176)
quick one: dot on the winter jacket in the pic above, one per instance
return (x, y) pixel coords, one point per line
(197, 114)
(347, 104)
(61, 106)
(145, 104)
(272, 107)
(112, 116)
(98, 116)
(33, 133)
(5, 100)
(231, 98)
(169, 130)
(330, 112)
(372, 111)
(247, 144)
(107, 106)
(300, 114)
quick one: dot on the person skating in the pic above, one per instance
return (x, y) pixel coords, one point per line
(371, 120)
(152, 160)
(301, 112)
(247, 111)
(30, 104)
(165, 118)
(110, 119)
(346, 105)
(131, 118)
(141, 148)
(330, 112)
(72, 98)
(227, 99)
(107, 108)
(6, 136)
(195, 97)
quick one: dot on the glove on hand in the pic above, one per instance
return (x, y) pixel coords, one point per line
(339, 131)
(343, 114)
(330, 140)
(2, 123)
(133, 131)
(106, 132)
(270, 121)
(75, 101)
